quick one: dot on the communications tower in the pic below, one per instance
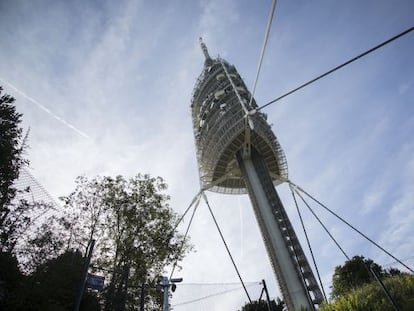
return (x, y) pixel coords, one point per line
(237, 153)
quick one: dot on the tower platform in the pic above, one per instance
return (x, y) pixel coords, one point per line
(219, 130)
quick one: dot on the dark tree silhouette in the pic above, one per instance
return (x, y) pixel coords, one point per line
(53, 286)
(11, 160)
(261, 305)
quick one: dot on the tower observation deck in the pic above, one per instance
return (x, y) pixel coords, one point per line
(237, 153)
(218, 121)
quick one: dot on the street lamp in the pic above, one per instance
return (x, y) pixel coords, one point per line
(164, 284)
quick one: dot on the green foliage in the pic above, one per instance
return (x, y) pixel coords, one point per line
(261, 305)
(370, 297)
(16, 213)
(354, 273)
(355, 289)
(134, 229)
(135, 234)
(13, 215)
(10, 151)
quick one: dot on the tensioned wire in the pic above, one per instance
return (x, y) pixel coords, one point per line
(369, 269)
(308, 242)
(265, 40)
(215, 294)
(339, 67)
(349, 225)
(196, 202)
(226, 246)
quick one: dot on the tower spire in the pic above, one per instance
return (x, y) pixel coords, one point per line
(204, 48)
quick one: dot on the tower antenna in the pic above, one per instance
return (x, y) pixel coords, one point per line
(205, 50)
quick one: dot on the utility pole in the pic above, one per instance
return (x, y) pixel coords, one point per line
(164, 285)
(88, 257)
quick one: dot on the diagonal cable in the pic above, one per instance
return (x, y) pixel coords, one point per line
(187, 210)
(211, 295)
(308, 242)
(265, 40)
(368, 268)
(323, 226)
(352, 227)
(197, 202)
(339, 67)
(227, 248)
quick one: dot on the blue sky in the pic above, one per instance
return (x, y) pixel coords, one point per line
(120, 75)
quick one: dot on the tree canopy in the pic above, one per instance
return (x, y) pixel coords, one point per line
(261, 305)
(134, 229)
(354, 287)
(11, 150)
(354, 273)
(370, 297)
(12, 214)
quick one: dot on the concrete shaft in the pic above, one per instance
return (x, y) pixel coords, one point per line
(294, 275)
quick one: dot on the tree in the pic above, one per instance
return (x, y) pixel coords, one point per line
(16, 212)
(134, 229)
(370, 297)
(45, 242)
(52, 286)
(261, 305)
(353, 274)
(11, 150)
(355, 289)
(10, 278)
(12, 215)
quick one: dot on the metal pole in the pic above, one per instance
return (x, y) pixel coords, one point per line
(166, 286)
(89, 251)
(142, 302)
(267, 295)
(260, 299)
(125, 279)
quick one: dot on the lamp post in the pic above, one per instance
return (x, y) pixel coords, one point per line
(164, 284)
(87, 262)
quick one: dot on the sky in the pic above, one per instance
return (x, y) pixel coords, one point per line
(105, 87)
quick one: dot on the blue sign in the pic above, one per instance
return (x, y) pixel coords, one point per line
(95, 282)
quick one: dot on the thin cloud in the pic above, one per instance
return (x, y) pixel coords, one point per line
(45, 109)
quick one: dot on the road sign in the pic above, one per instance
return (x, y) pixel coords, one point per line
(95, 281)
